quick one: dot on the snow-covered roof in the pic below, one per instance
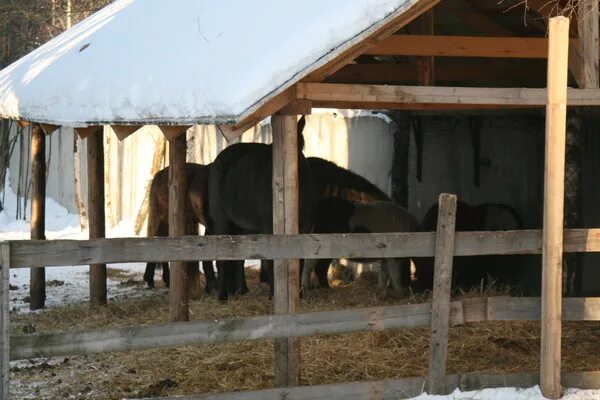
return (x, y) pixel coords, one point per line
(183, 61)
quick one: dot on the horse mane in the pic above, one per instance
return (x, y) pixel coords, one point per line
(335, 181)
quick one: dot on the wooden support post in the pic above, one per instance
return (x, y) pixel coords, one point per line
(4, 319)
(96, 212)
(589, 38)
(37, 278)
(285, 221)
(442, 285)
(588, 26)
(178, 287)
(426, 65)
(554, 178)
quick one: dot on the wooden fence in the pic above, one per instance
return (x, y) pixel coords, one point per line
(439, 315)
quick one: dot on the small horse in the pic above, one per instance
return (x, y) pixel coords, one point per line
(196, 213)
(336, 215)
(472, 271)
(241, 200)
(334, 181)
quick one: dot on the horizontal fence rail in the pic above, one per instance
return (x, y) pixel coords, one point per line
(401, 388)
(32, 253)
(276, 326)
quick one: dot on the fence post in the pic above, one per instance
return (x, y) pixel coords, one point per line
(4, 321)
(442, 285)
(554, 178)
(285, 221)
(37, 279)
(178, 285)
(96, 211)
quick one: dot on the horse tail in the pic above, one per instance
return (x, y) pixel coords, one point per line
(153, 213)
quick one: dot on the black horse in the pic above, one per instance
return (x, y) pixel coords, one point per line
(241, 200)
(472, 271)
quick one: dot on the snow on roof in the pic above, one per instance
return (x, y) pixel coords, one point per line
(182, 61)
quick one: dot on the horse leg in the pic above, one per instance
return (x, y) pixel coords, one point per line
(165, 273)
(209, 272)
(223, 278)
(394, 268)
(264, 274)
(383, 276)
(240, 278)
(321, 270)
(269, 275)
(149, 274)
(309, 266)
(209, 276)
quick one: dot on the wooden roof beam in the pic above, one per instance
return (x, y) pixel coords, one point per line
(173, 131)
(231, 132)
(48, 128)
(388, 95)
(464, 46)
(84, 133)
(449, 70)
(123, 131)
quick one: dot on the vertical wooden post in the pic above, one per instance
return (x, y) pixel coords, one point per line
(589, 38)
(37, 278)
(286, 221)
(96, 212)
(4, 319)
(554, 177)
(442, 285)
(178, 286)
(426, 65)
(588, 26)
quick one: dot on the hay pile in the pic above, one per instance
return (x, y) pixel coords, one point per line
(492, 347)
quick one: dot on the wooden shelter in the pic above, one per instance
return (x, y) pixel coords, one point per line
(378, 47)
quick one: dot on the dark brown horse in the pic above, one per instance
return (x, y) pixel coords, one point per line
(196, 208)
(473, 271)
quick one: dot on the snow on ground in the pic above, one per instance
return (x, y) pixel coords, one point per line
(64, 285)
(512, 394)
(69, 285)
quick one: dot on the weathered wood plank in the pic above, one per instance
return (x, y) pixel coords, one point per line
(530, 309)
(442, 282)
(589, 34)
(33, 253)
(4, 320)
(124, 131)
(274, 326)
(229, 330)
(401, 388)
(37, 276)
(479, 72)
(321, 93)
(475, 46)
(96, 211)
(554, 193)
(178, 288)
(286, 221)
